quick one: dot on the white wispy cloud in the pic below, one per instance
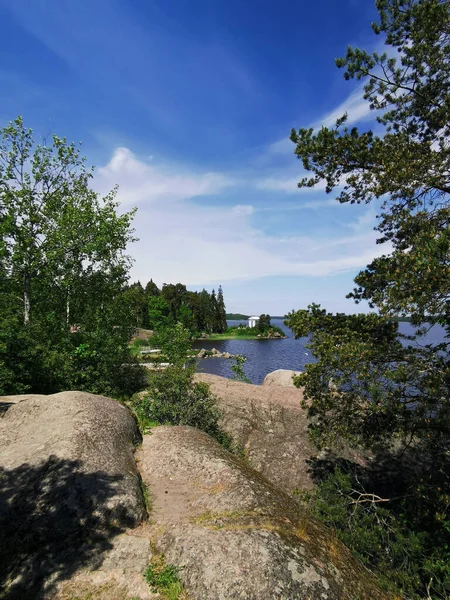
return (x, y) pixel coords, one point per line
(289, 185)
(183, 241)
(356, 108)
(141, 182)
(298, 206)
(243, 209)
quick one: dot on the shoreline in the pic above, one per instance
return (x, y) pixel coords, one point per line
(219, 337)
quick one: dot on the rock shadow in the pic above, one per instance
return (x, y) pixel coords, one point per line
(54, 520)
(4, 407)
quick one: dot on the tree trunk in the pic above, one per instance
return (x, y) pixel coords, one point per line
(68, 309)
(27, 299)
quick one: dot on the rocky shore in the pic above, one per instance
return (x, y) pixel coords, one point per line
(214, 353)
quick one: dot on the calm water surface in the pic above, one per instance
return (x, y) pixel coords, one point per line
(264, 356)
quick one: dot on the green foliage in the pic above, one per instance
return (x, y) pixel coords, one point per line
(263, 323)
(408, 167)
(366, 385)
(151, 289)
(175, 345)
(176, 296)
(62, 270)
(158, 313)
(238, 368)
(354, 386)
(156, 309)
(398, 538)
(221, 319)
(164, 579)
(244, 331)
(385, 389)
(173, 397)
(240, 330)
(146, 494)
(135, 297)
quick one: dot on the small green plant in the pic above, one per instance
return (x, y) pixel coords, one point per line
(164, 579)
(147, 497)
(238, 368)
(173, 397)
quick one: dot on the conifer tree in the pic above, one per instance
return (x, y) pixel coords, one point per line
(151, 289)
(385, 391)
(215, 320)
(221, 312)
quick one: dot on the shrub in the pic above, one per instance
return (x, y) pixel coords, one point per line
(174, 398)
(398, 538)
(238, 368)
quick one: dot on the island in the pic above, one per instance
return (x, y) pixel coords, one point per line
(241, 332)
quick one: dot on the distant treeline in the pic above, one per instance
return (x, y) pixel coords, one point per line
(154, 308)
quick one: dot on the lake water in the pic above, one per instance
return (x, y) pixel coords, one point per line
(264, 356)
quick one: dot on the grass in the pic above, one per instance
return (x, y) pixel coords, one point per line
(245, 333)
(147, 497)
(163, 579)
(228, 336)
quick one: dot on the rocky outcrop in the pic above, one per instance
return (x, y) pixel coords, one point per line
(69, 488)
(214, 353)
(73, 516)
(270, 425)
(232, 534)
(281, 377)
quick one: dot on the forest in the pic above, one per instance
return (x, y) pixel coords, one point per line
(154, 308)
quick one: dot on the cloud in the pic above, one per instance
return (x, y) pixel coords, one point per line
(181, 240)
(141, 182)
(311, 204)
(354, 105)
(243, 209)
(289, 185)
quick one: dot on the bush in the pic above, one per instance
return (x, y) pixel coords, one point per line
(45, 360)
(174, 398)
(405, 541)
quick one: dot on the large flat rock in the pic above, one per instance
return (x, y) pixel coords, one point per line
(69, 488)
(271, 426)
(235, 536)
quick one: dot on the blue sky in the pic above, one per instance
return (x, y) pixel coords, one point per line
(188, 105)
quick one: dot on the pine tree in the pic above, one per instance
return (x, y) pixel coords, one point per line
(151, 289)
(221, 312)
(215, 321)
